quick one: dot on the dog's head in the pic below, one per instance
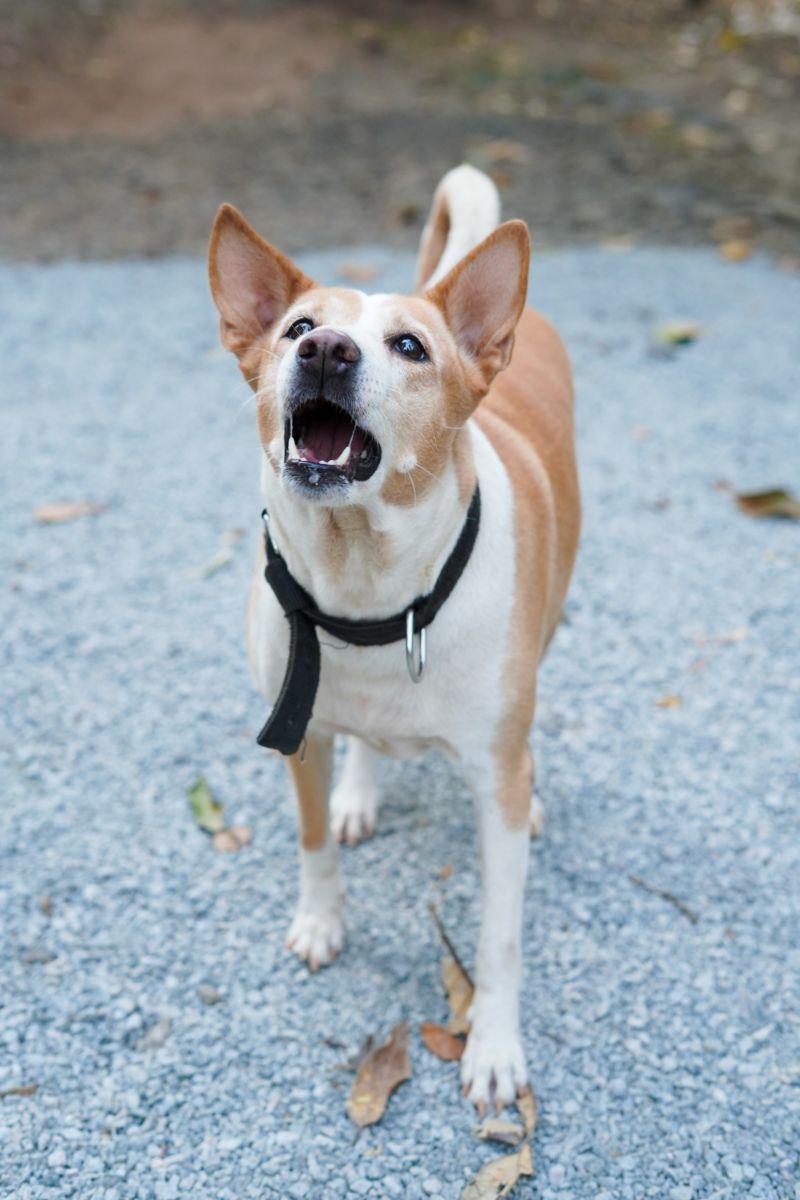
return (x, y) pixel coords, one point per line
(362, 396)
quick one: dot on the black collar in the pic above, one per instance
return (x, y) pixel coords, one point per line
(286, 726)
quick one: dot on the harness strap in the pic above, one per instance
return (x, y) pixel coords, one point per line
(286, 726)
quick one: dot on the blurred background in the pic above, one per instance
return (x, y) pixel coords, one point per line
(123, 123)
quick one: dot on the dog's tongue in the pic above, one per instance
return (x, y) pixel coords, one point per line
(328, 435)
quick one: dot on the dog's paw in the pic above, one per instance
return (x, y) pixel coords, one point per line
(536, 817)
(316, 937)
(354, 811)
(493, 1067)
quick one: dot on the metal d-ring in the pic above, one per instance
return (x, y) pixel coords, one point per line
(415, 663)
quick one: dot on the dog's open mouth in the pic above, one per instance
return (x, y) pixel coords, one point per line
(323, 445)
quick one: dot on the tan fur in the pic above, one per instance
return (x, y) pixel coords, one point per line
(527, 416)
(311, 769)
(442, 422)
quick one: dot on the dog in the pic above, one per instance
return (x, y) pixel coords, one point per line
(407, 439)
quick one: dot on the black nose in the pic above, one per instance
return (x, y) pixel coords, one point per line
(329, 351)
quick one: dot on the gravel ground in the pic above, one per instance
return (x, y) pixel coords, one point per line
(665, 1053)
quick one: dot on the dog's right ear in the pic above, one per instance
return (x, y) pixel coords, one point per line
(252, 283)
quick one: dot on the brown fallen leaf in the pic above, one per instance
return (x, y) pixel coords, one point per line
(46, 905)
(357, 272)
(669, 701)
(497, 1129)
(498, 1177)
(22, 1089)
(460, 991)
(383, 1069)
(441, 1041)
(736, 249)
(777, 502)
(68, 510)
(528, 1110)
(504, 150)
(231, 839)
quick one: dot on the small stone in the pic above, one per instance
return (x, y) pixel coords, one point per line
(209, 994)
(156, 1035)
(681, 1192)
(58, 1158)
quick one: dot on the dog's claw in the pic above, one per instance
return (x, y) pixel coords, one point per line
(492, 1069)
(316, 938)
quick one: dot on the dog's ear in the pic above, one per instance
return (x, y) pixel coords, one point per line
(482, 297)
(252, 283)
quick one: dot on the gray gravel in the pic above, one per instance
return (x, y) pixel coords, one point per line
(665, 1054)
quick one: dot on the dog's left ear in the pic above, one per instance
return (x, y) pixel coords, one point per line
(252, 283)
(482, 297)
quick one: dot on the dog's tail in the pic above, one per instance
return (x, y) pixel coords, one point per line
(465, 209)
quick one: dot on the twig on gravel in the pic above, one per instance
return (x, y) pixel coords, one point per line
(668, 896)
(443, 934)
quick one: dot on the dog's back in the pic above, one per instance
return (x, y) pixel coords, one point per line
(527, 414)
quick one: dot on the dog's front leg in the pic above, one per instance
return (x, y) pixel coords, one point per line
(493, 1064)
(316, 931)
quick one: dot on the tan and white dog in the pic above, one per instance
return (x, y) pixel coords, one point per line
(408, 402)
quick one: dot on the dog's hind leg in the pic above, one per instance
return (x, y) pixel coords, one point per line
(316, 931)
(354, 802)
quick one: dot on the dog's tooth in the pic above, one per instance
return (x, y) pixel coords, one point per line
(343, 457)
(291, 449)
(363, 453)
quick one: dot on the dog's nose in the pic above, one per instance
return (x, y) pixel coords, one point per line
(328, 350)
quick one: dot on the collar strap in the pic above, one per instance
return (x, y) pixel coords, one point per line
(286, 727)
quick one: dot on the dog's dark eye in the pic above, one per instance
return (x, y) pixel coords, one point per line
(298, 328)
(410, 347)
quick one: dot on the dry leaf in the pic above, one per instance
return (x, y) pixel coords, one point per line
(669, 701)
(383, 1069)
(497, 1129)
(357, 272)
(778, 502)
(501, 179)
(446, 871)
(736, 249)
(441, 1041)
(499, 1176)
(207, 811)
(459, 994)
(503, 150)
(619, 243)
(211, 565)
(231, 839)
(22, 1089)
(46, 905)
(69, 510)
(407, 214)
(526, 1103)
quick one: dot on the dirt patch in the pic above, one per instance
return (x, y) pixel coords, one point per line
(125, 122)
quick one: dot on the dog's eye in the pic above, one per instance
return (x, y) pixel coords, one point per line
(410, 347)
(298, 328)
